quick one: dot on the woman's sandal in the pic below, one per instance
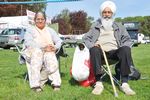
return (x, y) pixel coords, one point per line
(37, 89)
(56, 88)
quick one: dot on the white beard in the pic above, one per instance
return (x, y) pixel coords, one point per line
(107, 23)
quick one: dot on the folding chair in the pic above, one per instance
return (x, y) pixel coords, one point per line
(112, 64)
(60, 52)
(21, 59)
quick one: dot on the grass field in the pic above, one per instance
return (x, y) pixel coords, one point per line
(13, 86)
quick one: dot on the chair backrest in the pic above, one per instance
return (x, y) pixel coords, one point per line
(61, 52)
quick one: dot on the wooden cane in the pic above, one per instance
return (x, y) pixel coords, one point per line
(110, 74)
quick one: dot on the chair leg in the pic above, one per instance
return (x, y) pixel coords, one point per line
(106, 72)
(26, 77)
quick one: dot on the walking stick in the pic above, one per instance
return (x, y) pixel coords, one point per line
(110, 74)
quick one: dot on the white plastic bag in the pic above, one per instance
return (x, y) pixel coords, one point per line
(80, 65)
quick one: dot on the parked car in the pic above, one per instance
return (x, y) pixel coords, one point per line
(146, 40)
(11, 36)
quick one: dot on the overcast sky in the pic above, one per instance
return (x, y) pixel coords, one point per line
(125, 8)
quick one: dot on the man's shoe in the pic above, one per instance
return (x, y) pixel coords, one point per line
(126, 89)
(56, 89)
(98, 88)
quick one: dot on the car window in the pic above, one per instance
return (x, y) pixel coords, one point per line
(18, 31)
(14, 31)
(24, 30)
(4, 32)
(11, 32)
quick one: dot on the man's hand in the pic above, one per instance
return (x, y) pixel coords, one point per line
(97, 45)
(50, 48)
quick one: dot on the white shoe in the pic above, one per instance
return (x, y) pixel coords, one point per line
(98, 88)
(126, 89)
(56, 89)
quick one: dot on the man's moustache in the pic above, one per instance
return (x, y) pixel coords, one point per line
(107, 18)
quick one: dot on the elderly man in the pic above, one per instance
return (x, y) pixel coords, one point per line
(115, 41)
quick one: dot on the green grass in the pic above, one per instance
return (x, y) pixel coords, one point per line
(13, 86)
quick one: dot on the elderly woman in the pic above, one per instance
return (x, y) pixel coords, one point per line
(41, 43)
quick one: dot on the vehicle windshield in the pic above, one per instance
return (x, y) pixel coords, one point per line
(133, 34)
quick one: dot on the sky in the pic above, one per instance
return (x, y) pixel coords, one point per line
(125, 8)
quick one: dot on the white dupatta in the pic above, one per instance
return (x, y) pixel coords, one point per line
(43, 37)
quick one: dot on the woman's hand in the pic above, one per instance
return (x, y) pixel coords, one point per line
(50, 48)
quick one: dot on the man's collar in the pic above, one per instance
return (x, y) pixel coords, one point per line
(98, 24)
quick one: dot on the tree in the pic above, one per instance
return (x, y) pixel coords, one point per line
(119, 19)
(78, 21)
(89, 23)
(18, 10)
(146, 25)
(63, 20)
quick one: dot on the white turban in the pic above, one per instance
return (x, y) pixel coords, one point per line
(109, 4)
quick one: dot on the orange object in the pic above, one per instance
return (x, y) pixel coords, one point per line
(91, 79)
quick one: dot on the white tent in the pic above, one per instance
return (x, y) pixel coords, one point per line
(13, 22)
